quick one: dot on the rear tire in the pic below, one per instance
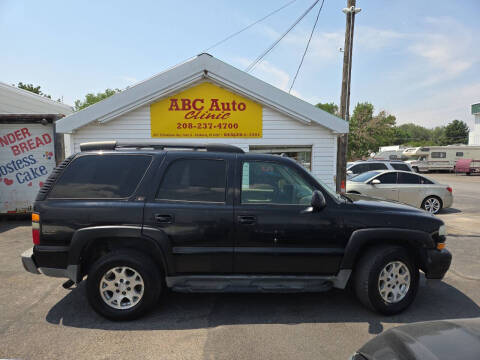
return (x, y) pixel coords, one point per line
(382, 286)
(432, 204)
(123, 285)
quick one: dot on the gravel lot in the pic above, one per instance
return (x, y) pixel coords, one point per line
(41, 320)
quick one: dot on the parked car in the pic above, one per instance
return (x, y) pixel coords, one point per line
(402, 186)
(359, 167)
(432, 340)
(139, 218)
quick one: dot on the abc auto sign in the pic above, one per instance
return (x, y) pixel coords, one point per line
(206, 111)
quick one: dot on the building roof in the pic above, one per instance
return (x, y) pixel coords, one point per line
(203, 67)
(18, 101)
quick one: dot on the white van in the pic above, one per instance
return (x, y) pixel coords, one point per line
(428, 158)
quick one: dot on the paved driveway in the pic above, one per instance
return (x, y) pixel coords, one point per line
(41, 320)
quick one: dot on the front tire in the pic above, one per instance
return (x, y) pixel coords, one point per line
(386, 279)
(123, 285)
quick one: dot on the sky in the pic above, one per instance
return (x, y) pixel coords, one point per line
(417, 60)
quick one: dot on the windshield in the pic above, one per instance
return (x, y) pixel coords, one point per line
(365, 176)
(328, 189)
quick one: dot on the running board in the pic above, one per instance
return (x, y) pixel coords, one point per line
(257, 283)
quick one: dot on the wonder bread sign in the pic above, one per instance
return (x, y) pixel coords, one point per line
(206, 111)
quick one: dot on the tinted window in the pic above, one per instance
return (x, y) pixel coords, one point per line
(271, 183)
(194, 180)
(459, 153)
(424, 149)
(425, 180)
(439, 155)
(388, 178)
(377, 166)
(365, 176)
(101, 177)
(403, 167)
(358, 169)
(393, 157)
(408, 178)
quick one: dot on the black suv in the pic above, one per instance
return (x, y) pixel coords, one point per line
(138, 218)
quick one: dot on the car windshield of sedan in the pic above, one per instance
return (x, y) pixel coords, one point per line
(365, 176)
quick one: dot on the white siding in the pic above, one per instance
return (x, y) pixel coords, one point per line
(278, 129)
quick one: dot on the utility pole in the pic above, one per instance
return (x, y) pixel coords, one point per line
(342, 140)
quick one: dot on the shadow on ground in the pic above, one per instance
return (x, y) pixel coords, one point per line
(11, 222)
(435, 301)
(450, 211)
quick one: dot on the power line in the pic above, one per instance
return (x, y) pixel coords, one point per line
(261, 56)
(306, 48)
(249, 26)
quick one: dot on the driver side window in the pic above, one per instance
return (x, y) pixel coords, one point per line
(271, 183)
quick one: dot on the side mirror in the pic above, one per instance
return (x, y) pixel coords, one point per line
(349, 172)
(375, 182)
(318, 200)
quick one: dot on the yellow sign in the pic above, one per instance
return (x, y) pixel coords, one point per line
(206, 111)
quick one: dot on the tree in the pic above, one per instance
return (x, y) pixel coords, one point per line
(331, 108)
(32, 88)
(456, 132)
(368, 131)
(92, 98)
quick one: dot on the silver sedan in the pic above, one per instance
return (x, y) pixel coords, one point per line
(402, 186)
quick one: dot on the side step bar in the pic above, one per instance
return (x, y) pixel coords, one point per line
(257, 283)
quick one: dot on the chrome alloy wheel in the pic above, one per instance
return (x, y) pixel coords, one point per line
(394, 282)
(121, 287)
(432, 205)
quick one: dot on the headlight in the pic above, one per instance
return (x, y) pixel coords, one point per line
(442, 230)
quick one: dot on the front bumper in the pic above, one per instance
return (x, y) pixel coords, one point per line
(437, 263)
(28, 261)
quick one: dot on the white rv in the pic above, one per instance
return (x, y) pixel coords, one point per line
(428, 158)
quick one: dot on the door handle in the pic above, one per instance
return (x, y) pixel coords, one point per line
(247, 220)
(163, 218)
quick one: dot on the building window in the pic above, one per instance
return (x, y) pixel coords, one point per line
(301, 154)
(438, 155)
(460, 153)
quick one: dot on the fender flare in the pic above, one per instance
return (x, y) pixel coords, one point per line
(82, 238)
(364, 237)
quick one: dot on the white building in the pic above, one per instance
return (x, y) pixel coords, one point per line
(29, 146)
(18, 101)
(474, 135)
(206, 100)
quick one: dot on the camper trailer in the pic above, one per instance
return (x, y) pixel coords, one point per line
(431, 158)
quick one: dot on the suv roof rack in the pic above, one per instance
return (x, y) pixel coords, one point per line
(113, 145)
(386, 160)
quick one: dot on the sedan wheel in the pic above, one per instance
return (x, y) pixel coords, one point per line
(432, 204)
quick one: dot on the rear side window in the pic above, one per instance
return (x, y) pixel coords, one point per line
(388, 178)
(358, 169)
(101, 177)
(408, 178)
(377, 166)
(459, 153)
(400, 167)
(194, 180)
(424, 180)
